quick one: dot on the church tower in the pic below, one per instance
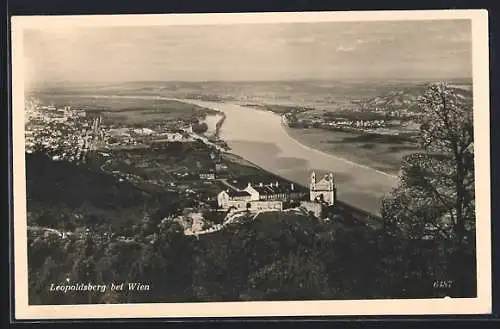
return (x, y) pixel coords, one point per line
(312, 184)
(331, 181)
(323, 190)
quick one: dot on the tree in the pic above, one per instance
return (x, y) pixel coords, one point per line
(422, 202)
(435, 197)
(448, 129)
(441, 178)
(295, 276)
(46, 219)
(165, 265)
(200, 128)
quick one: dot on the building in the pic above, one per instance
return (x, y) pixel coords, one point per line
(323, 190)
(233, 199)
(265, 205)
(174, 136)
(207, 175)
(274, 192)
(144, 131)
(259, 197)
(322, 195)
(242, 200)
(272, 196)
(315, 208)
(220, 167)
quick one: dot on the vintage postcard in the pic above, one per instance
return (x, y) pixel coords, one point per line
(259, 164)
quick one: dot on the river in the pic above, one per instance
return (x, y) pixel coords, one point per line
(259, 137)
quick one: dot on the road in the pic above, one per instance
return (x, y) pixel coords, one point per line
(225, 182)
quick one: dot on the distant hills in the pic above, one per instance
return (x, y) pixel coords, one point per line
(311, 86)
(320, 94)
(396, 98)
(407, 97)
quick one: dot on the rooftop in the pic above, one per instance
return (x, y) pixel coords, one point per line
(273, 188)
(234, 193)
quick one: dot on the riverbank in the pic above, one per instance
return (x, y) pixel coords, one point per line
(377, 152)
(380, 152)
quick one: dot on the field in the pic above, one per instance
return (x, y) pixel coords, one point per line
(175, 167)
(128, 109)
(279, 109)
(379, 152)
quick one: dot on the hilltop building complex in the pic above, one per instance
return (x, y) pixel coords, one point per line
(274, 196)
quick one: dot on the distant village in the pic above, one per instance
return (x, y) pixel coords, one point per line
(373, 120)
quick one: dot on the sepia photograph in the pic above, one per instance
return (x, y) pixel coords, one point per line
(271, 164)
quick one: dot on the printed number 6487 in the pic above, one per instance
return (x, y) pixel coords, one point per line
(442, 284)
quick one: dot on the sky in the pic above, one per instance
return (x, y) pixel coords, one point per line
(251, 52)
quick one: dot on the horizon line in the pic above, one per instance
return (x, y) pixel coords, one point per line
(339, 80)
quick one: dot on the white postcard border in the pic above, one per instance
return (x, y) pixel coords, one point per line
(479, 305)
